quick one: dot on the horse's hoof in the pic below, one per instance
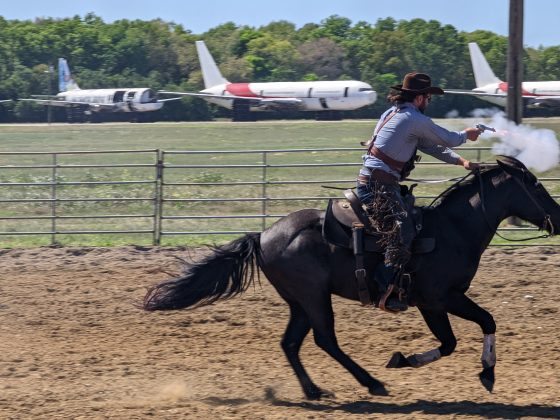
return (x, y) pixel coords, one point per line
(398, 361)
(317, 394)
(487, 378)
(378, 389)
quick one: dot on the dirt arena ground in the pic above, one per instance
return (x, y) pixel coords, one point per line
(74, 346)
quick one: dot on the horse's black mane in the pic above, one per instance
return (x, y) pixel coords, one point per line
(467, 180)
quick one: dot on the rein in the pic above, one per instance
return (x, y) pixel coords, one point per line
(457, 182)
(546, 217)
(434, 181)
(420, 181)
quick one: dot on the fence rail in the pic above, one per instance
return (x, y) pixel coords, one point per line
(171, 193)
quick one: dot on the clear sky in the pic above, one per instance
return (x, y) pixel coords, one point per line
(541, 16)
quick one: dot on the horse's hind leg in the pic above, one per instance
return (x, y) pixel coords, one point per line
(438, 323)
(297, 329)
(322, 321)
(461, 306)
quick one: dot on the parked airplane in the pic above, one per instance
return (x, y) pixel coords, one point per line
(89, 101)
(492, 89)
(322, 96)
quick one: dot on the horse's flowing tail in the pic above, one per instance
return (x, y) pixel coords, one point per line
(226, 272)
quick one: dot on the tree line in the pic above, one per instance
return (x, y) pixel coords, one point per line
(162, 55)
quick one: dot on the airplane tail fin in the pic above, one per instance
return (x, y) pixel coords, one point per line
(65, 80)
(210, 71)
(483, 74)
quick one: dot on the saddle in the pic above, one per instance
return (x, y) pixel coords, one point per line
(342, 215)
(347, 225)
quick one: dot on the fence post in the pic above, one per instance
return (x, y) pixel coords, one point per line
(264, 206)
(158, 198)
(54, 175)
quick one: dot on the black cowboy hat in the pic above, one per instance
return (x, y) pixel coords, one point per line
(419, 83)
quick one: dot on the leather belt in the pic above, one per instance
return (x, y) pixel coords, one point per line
(378, 175)
(392, 163)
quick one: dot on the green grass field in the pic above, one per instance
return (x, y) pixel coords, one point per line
(139, 189)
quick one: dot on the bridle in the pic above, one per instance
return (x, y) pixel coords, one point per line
(547, 222)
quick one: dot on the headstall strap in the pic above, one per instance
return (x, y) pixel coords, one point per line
(546, 217)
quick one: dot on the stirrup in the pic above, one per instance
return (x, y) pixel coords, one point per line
(385, 297)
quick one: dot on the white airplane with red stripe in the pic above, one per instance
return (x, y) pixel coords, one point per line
(340, 95)
(492, 89)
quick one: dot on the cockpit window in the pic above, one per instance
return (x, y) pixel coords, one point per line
(365, 89)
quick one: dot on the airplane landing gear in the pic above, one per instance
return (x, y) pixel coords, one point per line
(75, 114)
(328, 116)
(242, 111)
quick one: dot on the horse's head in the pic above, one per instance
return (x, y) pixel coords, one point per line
(532, 202)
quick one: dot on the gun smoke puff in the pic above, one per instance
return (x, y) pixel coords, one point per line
(485, 112)
(537, 148)
(452, 114)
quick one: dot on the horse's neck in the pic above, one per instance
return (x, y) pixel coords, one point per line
(475, 211)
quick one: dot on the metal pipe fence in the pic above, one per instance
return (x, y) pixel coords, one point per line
(15, 166)
(172, 193)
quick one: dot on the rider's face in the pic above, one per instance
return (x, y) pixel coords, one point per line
(424, 102)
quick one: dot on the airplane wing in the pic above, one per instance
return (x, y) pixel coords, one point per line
(277, 103)
(169, 99)
(530, 100)
(474, 93)
(543, 101)
(209, 95)
(58, 102)
(281, 103)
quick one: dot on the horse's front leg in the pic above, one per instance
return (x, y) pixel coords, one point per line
(438, 323)
(461, 306)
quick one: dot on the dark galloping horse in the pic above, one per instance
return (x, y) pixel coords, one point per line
(306, 270)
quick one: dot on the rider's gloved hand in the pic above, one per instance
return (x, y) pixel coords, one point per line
(467, 164)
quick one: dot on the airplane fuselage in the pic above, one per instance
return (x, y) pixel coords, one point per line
(340, 95)
(116, 100)
(529, 90)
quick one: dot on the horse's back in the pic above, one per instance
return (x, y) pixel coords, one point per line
(289, 230)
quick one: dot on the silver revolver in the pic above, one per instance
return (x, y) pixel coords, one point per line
(484, 128)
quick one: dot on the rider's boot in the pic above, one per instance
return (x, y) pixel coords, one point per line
(386, 276)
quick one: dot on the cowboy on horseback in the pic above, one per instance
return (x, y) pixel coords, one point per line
(390, 157)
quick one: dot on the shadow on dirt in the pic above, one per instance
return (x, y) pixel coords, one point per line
(486, 410)
(463, 408)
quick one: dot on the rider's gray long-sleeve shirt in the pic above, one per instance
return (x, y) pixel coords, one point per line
(410, 129)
